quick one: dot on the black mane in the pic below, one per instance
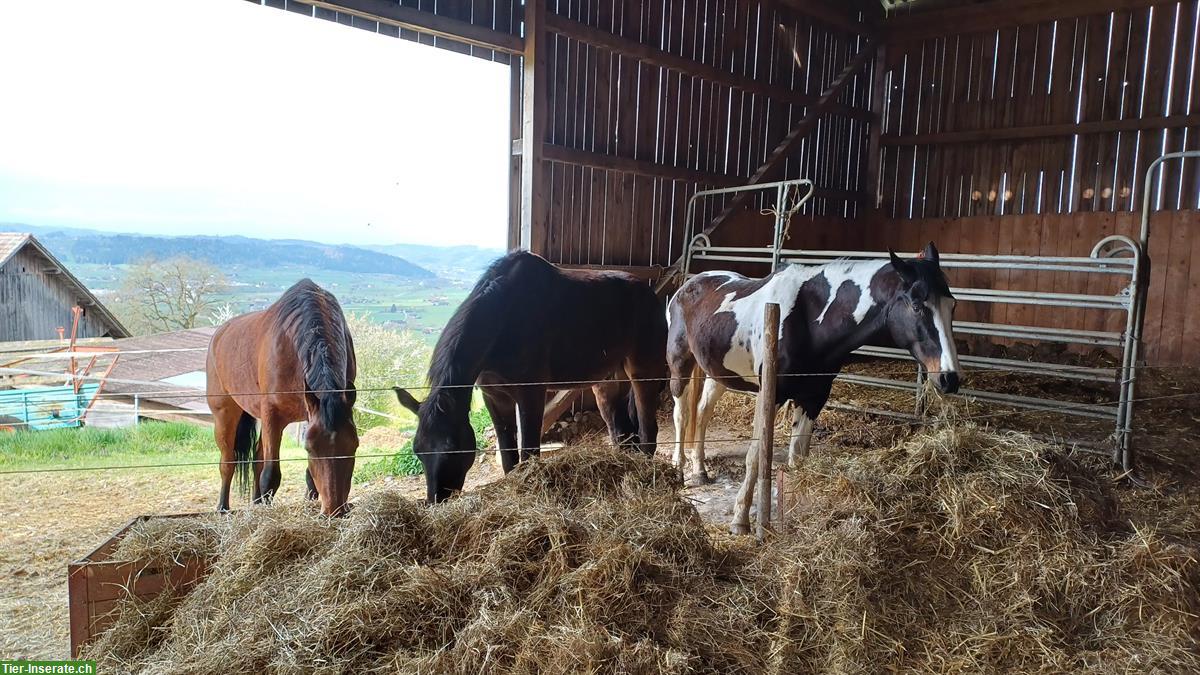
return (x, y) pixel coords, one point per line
(313, 318)
(467, 334)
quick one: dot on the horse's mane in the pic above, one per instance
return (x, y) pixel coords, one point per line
(472, 328)
(313, 318)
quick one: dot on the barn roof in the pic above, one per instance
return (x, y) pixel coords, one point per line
(13, 242)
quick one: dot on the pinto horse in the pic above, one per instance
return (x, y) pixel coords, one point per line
(826, 312)
(291, 362)
(528, 327)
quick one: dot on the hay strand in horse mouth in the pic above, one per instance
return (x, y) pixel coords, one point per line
(959, 549)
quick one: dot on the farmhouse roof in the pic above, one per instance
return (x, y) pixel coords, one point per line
(12, 242)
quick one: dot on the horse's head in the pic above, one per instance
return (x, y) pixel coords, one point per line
(920, 316)
(444, 442)
(331, 441)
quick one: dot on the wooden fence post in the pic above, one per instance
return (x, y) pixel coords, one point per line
(764, 417)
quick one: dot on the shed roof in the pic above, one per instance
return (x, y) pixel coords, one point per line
(13, 242)
(159, 359)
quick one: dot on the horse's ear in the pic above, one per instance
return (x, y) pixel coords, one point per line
(930, 253)
(903, 267)
(406, 399)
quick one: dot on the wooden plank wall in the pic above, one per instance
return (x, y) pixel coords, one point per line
(1035, 139)
(629, 140)
(35, 302)
(1061, 116)
(500, 15)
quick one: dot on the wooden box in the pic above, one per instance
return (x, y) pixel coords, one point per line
(95, 584)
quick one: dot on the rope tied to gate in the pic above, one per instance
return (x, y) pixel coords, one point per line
(789, 210)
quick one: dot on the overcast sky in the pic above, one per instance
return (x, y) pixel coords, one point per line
(224, 117)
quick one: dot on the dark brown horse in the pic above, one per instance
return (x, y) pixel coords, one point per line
(527, 327)
(291, 362)
(826, 312)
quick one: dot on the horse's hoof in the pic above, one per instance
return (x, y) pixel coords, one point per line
(701, 479)
(739, 529)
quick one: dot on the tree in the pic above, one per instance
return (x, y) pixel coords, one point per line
(386, 358)
(173, 294)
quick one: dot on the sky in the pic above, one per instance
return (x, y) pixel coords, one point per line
(225, 117)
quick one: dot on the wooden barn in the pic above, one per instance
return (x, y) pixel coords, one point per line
(1050, 149)
(37, 294)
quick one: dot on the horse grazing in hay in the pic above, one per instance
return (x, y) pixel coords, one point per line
(527, 327)
(826, 312)
(291, 362)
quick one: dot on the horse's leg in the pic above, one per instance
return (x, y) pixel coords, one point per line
(805, 416)
(504, 420)
(615, 416)
(802, 427)
(225, 427)
(682, 366)
(713, 391)
(679, 415)
(645, 393)
(311, 492)
(745, 495)
(272, 436)
(531, 408)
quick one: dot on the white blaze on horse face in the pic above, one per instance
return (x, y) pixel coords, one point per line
(943, 322)
(859, 275)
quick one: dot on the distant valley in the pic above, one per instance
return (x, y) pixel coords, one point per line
(404, 286)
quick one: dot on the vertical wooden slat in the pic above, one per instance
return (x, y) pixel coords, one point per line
(533, 130)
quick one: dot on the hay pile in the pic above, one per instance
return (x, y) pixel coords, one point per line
(960, 550)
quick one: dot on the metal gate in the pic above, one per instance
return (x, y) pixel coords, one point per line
(1113, 255)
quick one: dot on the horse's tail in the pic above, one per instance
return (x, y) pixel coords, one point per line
(245, 445)
(695, 384)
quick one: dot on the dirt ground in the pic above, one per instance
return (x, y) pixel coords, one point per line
(52, 519)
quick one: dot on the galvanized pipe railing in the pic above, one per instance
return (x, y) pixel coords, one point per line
(1114, 255)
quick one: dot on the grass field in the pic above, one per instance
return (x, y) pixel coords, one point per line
(189, 446)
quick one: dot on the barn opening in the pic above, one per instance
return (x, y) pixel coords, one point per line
(1023, 137)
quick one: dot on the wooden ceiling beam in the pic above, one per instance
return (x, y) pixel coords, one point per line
(1045, 131)
(424, 21)
(652, 55)
(596, 160)
(996, 14)
(844, 16)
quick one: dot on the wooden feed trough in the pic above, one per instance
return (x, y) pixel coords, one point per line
(96, 584)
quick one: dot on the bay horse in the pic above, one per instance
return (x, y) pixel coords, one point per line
(826, 312)
(525, 328)
(291, 362)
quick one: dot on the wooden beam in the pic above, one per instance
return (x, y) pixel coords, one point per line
(878, 79)
(557, 405)
(840, 17)
(515, 93)
(1045, 131)
(649, 274)
(775, 160)
(998, 14)
(764, 414)
(534, 206)
(424, 21)
(596, 160)
(654, 56)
